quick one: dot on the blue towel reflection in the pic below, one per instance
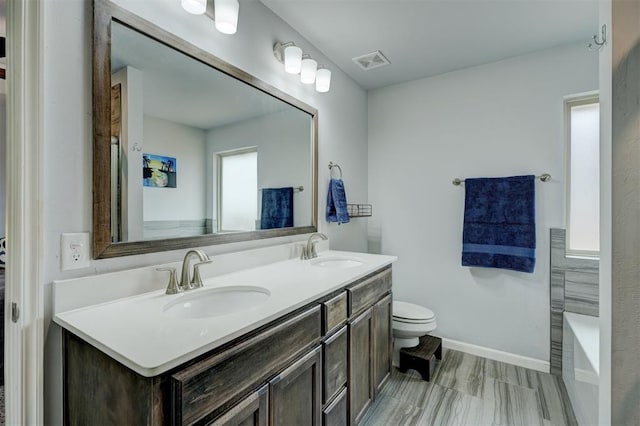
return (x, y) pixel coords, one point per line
(277, 208)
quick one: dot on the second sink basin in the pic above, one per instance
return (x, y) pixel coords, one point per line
(337, 263)
(216, 302)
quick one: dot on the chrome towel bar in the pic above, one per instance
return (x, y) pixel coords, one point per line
(545, 177)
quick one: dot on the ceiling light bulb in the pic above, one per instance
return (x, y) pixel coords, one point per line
(226, 16)
(323, 80)
(195, 7)
(308, 72)
(292, 59)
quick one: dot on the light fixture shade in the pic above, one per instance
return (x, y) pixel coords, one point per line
(292, 59)
(226, 16)
(323, 80)
(308, 71)
(195, 7)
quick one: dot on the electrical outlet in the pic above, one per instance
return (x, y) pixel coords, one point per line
(74, 250)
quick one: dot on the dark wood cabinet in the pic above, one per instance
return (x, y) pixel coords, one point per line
(383, 344)
(295, 393)
(360, 365)
(251, 411)
(324, 364)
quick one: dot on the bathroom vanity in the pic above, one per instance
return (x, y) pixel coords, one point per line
(321, 360)
(270, 338)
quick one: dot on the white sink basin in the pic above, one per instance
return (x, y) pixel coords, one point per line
(216, 302)
(336, 263)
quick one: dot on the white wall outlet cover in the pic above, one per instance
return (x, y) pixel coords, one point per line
(74, 250)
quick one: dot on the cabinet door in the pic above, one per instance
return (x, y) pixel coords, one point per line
(251, 411)
(296, 392)
(360, 365)
(383, 353)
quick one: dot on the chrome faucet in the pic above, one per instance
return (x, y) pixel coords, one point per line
(186, 283)
(309, 251)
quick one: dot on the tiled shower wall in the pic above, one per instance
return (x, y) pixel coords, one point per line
(574, 288)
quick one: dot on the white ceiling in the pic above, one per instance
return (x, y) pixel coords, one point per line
(423, 38)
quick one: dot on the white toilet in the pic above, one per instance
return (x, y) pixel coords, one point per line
(410, 322)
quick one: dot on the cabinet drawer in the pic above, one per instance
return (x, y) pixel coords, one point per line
(334, 312)
(335, 364)
(367, 292)
(202, 390)
(336, 413)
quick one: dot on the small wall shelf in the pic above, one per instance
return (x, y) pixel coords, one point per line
(359, 210)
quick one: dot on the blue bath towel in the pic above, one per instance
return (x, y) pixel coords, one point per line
(499, 223)
(337, 202)
(277, 208)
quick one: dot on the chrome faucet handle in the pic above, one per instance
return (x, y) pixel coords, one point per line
(309, 252)
(303, 252)
(173, 287)
(185, 277)
(196, 281)
(313, 253)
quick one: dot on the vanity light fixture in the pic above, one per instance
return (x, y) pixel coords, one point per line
(226, 16)
(292, 59)
(295, 62)
(195, 7)
(308, 71)
(323, 80)
(290, 55)
(223, 12)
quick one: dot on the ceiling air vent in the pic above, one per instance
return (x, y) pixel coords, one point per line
(371, 60)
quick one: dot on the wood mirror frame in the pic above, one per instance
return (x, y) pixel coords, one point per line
(104, 13)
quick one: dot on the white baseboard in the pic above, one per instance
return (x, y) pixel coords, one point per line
(496, 355)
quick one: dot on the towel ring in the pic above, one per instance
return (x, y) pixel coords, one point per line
(331, 166)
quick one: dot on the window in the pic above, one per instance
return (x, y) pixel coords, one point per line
(238, 190)
(583, 175)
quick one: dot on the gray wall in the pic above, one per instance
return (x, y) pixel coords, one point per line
(574, 288)
(625, 204)
(499, 119)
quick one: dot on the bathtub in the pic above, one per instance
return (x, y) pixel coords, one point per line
(581, 365)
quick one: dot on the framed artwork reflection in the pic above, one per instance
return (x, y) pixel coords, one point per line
(159, 171)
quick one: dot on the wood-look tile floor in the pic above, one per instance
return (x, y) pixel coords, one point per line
(470, 390)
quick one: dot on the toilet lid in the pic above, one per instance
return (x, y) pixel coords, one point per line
(408, 312)
(397, 320)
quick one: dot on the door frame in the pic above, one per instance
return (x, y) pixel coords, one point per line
(24, 339)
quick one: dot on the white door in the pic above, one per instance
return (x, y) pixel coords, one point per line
(24, 290)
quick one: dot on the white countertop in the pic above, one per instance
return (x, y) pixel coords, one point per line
(135, 331)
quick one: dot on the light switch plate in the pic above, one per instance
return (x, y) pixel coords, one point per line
(74, 250)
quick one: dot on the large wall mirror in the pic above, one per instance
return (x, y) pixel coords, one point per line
(189, 150)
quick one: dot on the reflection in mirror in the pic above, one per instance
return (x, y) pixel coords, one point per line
(195, 151)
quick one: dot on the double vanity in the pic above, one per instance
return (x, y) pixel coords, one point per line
(304, 342)
(270, 336)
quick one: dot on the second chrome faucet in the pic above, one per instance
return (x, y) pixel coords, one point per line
(309, 250)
